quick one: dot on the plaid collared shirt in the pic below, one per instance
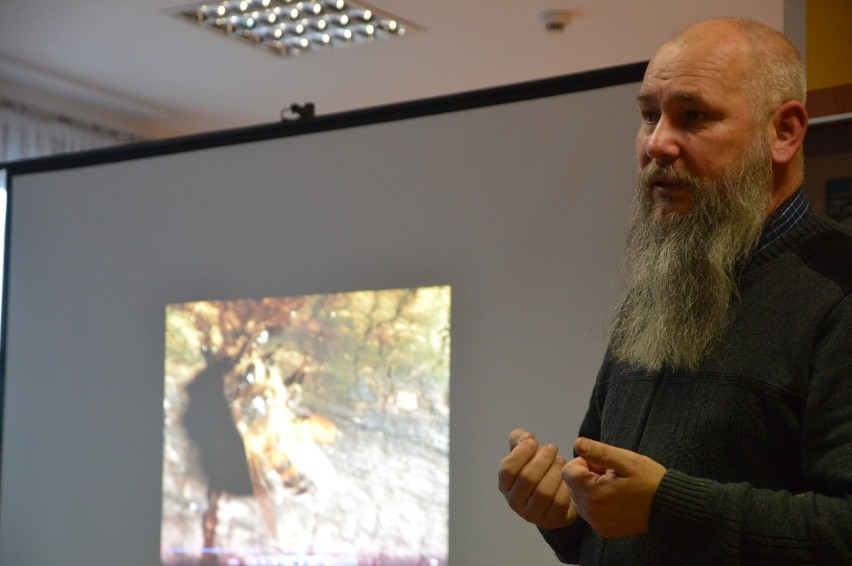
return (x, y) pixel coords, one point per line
(793, 211)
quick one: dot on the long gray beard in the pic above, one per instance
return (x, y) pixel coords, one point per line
(681, 269)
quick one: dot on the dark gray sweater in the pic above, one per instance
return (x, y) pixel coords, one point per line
(758, 441)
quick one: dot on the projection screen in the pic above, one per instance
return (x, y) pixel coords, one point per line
(306, 343)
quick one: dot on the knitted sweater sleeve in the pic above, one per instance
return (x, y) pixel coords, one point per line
(707, 522)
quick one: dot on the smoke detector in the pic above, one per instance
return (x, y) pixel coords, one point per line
(555, 20)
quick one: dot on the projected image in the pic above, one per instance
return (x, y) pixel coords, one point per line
(308, 430)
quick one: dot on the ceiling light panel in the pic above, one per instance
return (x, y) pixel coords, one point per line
(289, 27)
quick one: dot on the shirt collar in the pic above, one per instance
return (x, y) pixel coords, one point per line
(795, 210)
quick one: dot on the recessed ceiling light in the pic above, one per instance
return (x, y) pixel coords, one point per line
(290, 27)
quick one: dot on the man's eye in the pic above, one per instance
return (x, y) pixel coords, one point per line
(695, 115)
(650, 117)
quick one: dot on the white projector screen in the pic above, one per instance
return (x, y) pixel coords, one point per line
(516, 210)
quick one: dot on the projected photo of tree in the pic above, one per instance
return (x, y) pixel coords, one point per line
(308, 430)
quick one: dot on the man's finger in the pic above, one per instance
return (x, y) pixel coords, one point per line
(518, 458)
(517, 436)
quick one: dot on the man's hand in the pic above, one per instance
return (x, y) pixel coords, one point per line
(530, 480)
(612, 488)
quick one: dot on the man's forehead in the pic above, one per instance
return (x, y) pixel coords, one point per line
(688, 96)
(691, 72)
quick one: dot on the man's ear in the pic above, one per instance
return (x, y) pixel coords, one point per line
(789, 125)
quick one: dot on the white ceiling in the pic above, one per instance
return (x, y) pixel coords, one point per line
(167, 77)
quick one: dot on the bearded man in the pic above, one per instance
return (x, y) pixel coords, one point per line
(720, 427)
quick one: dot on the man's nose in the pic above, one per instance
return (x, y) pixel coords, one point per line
(663, 144)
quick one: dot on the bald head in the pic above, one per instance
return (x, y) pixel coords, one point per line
(774, 70)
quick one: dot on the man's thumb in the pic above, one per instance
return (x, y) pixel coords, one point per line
(599, 455)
